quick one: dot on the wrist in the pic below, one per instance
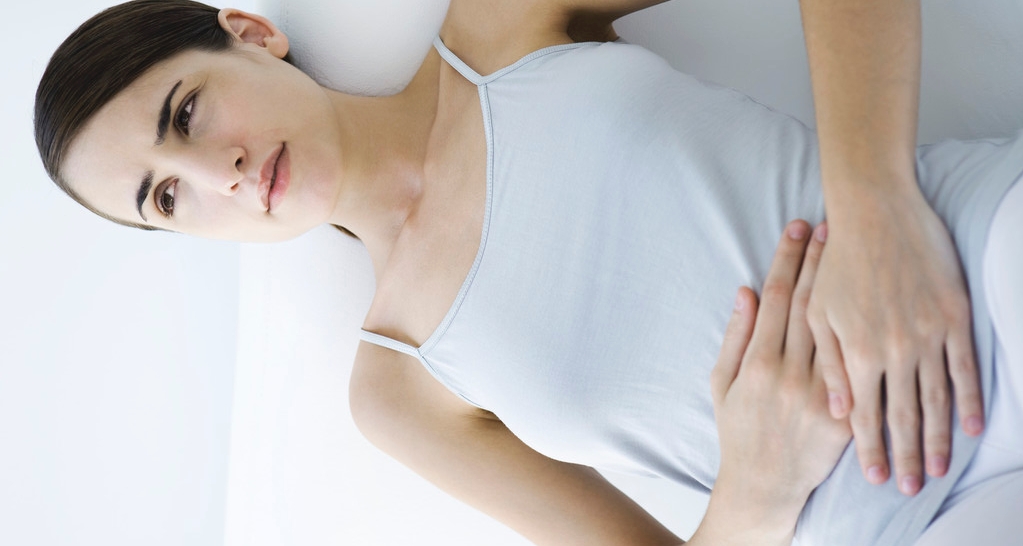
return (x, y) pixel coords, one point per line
(866, 201)
(745, 514)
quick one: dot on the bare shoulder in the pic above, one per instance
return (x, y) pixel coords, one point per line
(471, 455)
(491, 34)
(390, 391)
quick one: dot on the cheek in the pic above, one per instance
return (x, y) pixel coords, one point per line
(207, 214)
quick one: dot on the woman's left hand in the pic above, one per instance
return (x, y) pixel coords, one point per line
(890, 311)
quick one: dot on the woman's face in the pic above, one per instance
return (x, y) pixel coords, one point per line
(234, 145)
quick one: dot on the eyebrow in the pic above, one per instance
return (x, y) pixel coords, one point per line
(162, 123)
(164, 120)
(140, 198)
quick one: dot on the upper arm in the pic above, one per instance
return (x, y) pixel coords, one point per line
(590, 20)
(615, 8)
(471, 455)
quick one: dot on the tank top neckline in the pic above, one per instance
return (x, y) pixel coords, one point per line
(480, 81)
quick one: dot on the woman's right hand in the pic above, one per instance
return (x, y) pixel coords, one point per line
(778, 439)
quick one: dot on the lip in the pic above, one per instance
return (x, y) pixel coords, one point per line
(280, 184)
(274, 178)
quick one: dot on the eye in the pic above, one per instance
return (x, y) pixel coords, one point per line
(164, 198)
(183, 119)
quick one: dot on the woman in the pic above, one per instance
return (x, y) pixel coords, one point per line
(616, 220)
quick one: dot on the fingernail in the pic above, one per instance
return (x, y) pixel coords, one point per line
(937, 464)
(797, 231)
(821, 233)
(974, 425)
(875, 475)
(910, 485)
(739, 303)
(834, 404)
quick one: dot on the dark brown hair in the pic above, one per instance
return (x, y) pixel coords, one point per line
(103, 57)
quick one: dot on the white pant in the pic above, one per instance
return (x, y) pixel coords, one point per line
(986, 505)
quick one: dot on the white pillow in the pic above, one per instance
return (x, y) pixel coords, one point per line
(359, 47)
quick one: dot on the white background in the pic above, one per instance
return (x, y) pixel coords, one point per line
(117, 348)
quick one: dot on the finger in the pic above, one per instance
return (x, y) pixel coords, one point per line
(799, 340)
(733, 347)
(820, 389)
(936, 403)
(831, 363)
(904, 426)
(966, 381)
(866, 421)
(776, 297)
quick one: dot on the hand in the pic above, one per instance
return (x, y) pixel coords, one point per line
(778, 441)
(889, 309)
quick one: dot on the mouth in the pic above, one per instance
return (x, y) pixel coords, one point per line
(271, 182)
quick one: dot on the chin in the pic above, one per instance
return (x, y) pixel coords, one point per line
(259, 234)
(292, 232)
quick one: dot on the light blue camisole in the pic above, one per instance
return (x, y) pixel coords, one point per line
(626, 203)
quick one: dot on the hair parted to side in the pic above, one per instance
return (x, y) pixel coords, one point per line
(103, 57)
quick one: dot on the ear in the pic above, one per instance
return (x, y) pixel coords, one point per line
(249, 28)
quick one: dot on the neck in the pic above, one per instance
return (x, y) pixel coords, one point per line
(383, 145)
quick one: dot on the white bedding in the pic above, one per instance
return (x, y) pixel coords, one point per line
(299, 472)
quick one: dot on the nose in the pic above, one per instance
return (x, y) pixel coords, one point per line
(220, 170)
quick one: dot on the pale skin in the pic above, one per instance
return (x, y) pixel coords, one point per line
(403, 173)
(890, 300)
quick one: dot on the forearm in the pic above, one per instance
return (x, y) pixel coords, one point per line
(865, 68)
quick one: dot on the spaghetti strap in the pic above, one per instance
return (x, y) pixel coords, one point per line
(388, 343)
(456, 63)
(395, 345)
(475, 77)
